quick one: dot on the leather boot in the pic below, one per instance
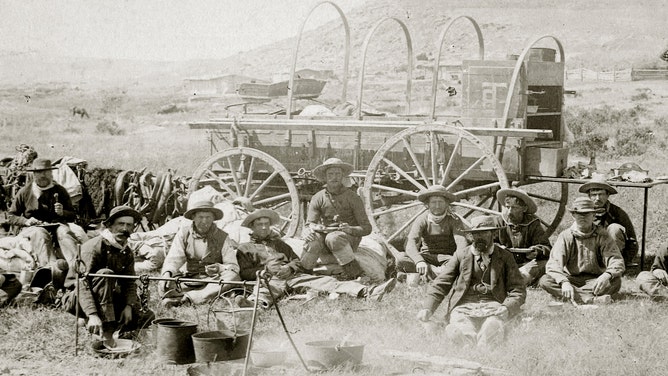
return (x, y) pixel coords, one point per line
(352, 270)
(59, 271)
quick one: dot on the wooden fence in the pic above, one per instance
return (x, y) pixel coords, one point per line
(629, 74)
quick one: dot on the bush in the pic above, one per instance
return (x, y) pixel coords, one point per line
(633, 141)
(109, 127)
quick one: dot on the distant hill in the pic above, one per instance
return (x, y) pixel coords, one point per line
(600, 34)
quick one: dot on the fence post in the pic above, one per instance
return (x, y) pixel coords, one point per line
(582, 77)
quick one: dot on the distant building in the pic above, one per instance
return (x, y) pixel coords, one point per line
(212, 86)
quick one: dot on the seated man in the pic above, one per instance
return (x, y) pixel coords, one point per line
(266, 251)
(335, 222)
(206, 252)
(655, 281)
(483, 287)
(522, 233)
(585, 265)
(45, 202)
(613, 218)
(10, 287)
(108, 303)
(431, 242)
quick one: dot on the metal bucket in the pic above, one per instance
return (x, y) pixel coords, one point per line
(154, 326)
(174, 342)
(330, 354)
(217, 346)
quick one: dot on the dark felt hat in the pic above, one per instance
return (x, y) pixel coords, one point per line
(501, 195)
(482, 223)
(320, 171)
(122, 211)
(597, 184)
(584, 205)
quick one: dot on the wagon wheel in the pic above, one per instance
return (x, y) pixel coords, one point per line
(251, 173)
(407, 163)
(551, 199)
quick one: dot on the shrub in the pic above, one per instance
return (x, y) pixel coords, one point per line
(661, 122)
(633, 141)
(110, 127)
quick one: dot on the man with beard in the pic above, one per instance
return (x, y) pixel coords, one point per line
(199, 250)
(267, 252)
(431, 242)
(613, 218)
(585, 264)
(484, 288)
(335, 222)
(522, 233)
(108, 303)
(42, 209)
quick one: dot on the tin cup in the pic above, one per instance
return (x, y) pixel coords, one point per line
(26, 277)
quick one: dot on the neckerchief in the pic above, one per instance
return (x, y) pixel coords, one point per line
(203, 237)
(485, 257)
(437, 218)
(109, 237)
(582, 235)
(37, 190)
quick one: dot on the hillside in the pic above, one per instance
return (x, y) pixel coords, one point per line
(603, 35)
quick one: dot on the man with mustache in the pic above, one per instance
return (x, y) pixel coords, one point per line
(521, 231)
(612, 218)
(46, 202)
(108, 303)
(483, 287)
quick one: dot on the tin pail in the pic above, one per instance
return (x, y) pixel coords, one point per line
(174, 343)
(217, 346)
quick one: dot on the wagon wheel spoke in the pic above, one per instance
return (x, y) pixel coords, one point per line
(249, 179)
(451, 161)
(551, 199)
(417, 164)
(255, 175)
(235, 178)
(441, 153)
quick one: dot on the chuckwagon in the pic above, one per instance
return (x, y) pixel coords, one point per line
(506, 131)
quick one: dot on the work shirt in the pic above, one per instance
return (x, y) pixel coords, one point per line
(429, 237)
(575, 253)
(27, 205)
(345, 206)
(98, 254)
(529, 233)
(253, 256)
(615, 214)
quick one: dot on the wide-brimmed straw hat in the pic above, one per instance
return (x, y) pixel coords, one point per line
(261, 213)
(501, 195)
(436, 190)
(597, 184)
(482, 223)
(122, 211)
(206, 206)
(41, 164)
(584, 205)
(320, 171)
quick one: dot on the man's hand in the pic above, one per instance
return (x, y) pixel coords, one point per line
(661, 275)
(602, 283)
(424, 315)
(567, 290)
(309, 234)
(58, 208)
(273, 267)
(212, 270)
(164, 286)
(532, 255)
(421, 267)
(32, 221)
(126, 316)
(502, 312)
(94, 325)
(346, 228)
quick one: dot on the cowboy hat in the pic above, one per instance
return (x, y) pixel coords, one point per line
(501, 195)
(320, 171)
(261, 213)
(482, 223)
(41, 164)
(206, 206)
(122, 211)
(597, 184)
(436, 190)
(584, 205)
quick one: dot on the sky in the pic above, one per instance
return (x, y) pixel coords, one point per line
(169, 30)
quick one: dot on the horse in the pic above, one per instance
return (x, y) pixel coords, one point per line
(81, 111)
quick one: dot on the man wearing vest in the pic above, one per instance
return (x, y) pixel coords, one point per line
(335, 222)
(431, 242)
(266, 251)
(481, 286)
(613, 218)
(522, 233)
(199, 250)
(585, 265)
